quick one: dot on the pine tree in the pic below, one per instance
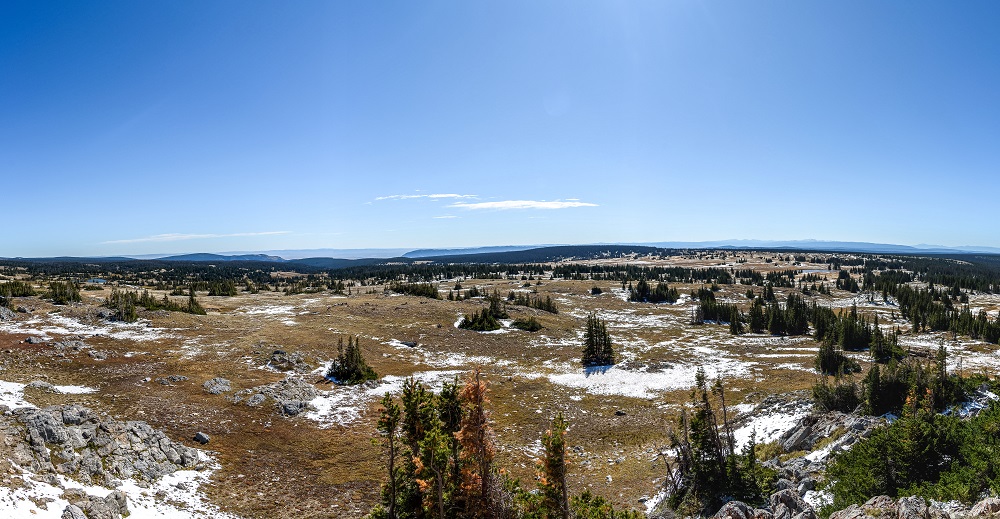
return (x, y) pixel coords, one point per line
(350, 368)
(552, 479)
(478, 448)
(597, 347)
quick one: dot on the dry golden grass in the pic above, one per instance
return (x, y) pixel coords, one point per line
(290, 467)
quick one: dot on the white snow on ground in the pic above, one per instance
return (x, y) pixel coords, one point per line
(174, 496)
(445, 360)
(344, 404)
(770, 425)
(12, 393)
(268, 310)
(612, 380)
(75, 390)
(961, 354)
(818, 498)
(58, 325)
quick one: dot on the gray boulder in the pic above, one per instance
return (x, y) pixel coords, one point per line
(73, 512)
(202, 438)
(6, 314)
(217, 386)
(735, 510)
(35, 340)
(787, 504)
(913, 507)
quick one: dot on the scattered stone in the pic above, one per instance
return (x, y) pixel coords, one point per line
(23, 310)
(70, 345)
(217, 386)
(202, 438)
(619, 412)
(35, 340)
(172, 379)
(6, 314)
(98, 354)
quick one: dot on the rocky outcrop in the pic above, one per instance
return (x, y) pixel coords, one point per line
(6, 314)
(76, 442)
(815, 427)
(290, 396)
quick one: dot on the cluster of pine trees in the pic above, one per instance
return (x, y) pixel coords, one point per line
(127, 302)
(12, 289)
(529, 324)
(935, 311)
(225, 288)
(925, 453)
(643, 292)
(488, 318)
(428, 290)
(440, 456)
(350, 367)
(63, 292)
(536, 302)
(597, 347)
(707, 468)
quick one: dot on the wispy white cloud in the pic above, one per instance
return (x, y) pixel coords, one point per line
(182, 237)
(432, 196)
(522, 204)
(445, 216)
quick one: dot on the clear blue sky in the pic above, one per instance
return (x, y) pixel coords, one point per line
(171, 126)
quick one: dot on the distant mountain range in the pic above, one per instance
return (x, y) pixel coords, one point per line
(341, 258)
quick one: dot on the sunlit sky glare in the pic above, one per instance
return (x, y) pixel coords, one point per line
(182, 126)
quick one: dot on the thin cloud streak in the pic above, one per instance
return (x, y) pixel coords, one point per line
(522, 204)
(182, 237)
(444, 217)
(433, 196)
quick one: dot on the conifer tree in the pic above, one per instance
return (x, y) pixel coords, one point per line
(552, 479)
(597, 347)
(349, 367)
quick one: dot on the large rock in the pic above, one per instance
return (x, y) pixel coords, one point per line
(735, 510)
(913, 507)
(217, 386)
(787, 504)
(986, 508)
(112, 506)
(6, 314)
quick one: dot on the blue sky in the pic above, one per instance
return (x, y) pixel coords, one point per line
(157, 127)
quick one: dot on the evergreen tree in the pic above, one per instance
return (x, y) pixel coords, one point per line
(350, 368)
(597, 347)
(552, 478)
